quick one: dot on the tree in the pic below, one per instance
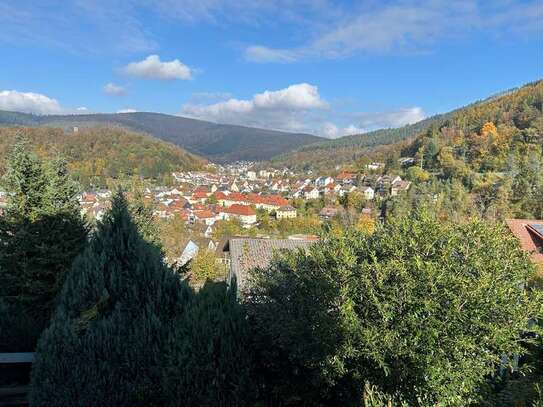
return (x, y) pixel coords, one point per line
(422, 310)
(205, 267)
(210, 360)
(366, 224)
(417, 174)
(142, 214)
(171, 231)
(42, 231)
(107, 340)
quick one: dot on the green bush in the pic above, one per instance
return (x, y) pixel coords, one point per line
(423, 310)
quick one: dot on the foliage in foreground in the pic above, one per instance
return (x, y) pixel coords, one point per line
(420, 311)
(129, 331)
(107, 339)
(209, 362)
(41, 231)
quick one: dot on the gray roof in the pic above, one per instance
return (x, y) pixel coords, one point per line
(248, 253)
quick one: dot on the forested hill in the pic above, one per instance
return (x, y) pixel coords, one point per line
(97, 154)
(487, 136)
(217, 142)
(327, 154)
(346, 150)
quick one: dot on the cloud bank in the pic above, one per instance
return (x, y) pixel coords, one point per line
(298, 108)
(283, 109)
(29, 102)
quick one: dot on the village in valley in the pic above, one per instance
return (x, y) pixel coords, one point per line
(249, 197)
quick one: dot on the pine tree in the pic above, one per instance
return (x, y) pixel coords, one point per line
(142, 213)
(106, 342)
(42, 231)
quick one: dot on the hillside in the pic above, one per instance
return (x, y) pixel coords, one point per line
(97, 154)
(329, 153)
(485, 159)
(217, 142)
(485, 137)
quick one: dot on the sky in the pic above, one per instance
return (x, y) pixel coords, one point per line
(329, 68)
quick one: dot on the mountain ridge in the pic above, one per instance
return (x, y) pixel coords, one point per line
(216, 142)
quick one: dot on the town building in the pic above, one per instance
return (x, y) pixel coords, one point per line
(286, 212)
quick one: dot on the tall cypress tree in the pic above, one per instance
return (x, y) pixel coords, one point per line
(106, 342)
(209, 360)
(41, 231)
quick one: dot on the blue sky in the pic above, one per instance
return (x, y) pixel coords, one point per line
(326, 67)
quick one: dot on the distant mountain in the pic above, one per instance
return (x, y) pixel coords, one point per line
(217, 142)
(97, 154)
(327, 154)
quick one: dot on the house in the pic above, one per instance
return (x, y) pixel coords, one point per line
(190, 250)
(399, 187)
(375, 166)
(198, 196)
(285, 212)
(368, 192)
(204, 216)
(328, 212)
(323, 181)
(311, 192)
(530, 234)
(346, 189)
(251, 175)
(346, 177)
(243, 254)
(245, 213)
(406, 161)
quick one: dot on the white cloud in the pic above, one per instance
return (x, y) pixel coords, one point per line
(259, 53)
(284, 109)
(126, 111)
(153, 68)
(29, 102)
(35, 103)
(407, 26)
(390, 119)
(330, 130)
(112, 89)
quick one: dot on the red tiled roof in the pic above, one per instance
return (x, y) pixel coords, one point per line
(530, 240)
(236, 196)
(199, 195)
(220, 196)
(204, 214)
(345, 175)
(243, 210)
(201, 189)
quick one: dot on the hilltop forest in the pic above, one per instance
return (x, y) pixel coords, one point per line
(95, 155)
(485, 160)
